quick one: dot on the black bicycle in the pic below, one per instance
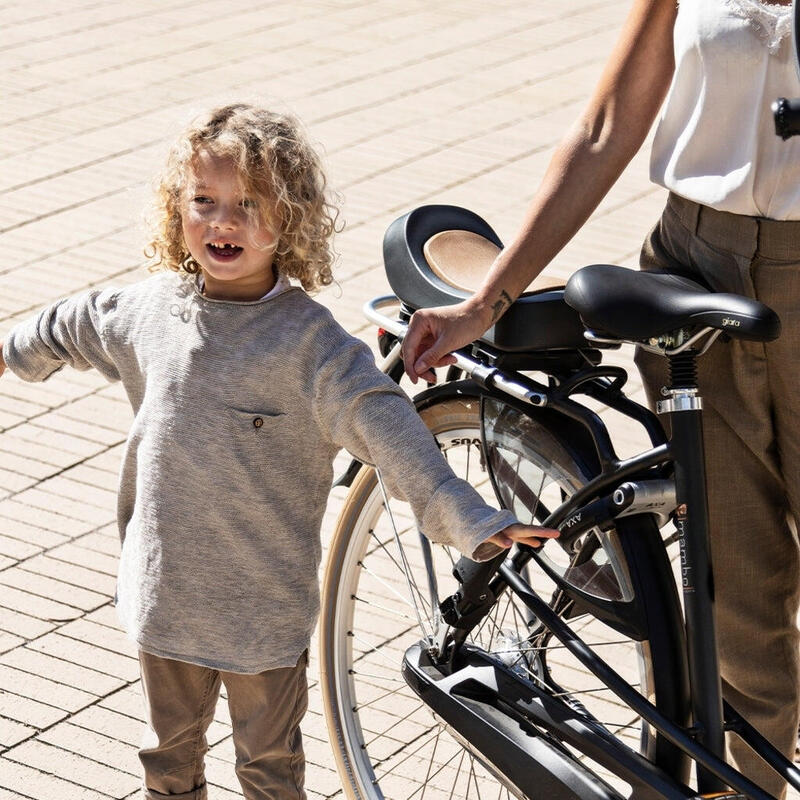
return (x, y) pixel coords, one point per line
(570, 671)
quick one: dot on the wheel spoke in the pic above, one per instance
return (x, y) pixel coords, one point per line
(388, 587)
(550, 648)
(538, 496)
(474, 776)
(458, 772)
(376, 677)
(499, 626)
(441, 768)
(431, 733)
(400, 568)
(620, 726)
(576, 692)
(394, 722)
(388, 610)
(371, 648)
(407, 571)
(430, 764)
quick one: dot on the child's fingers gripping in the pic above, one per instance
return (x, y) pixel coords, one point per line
(524, 534)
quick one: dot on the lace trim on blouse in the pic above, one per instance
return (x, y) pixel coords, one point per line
(771, 21)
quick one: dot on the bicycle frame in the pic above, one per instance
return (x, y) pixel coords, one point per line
(704, 741)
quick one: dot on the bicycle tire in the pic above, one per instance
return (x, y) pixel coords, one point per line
(366, 706)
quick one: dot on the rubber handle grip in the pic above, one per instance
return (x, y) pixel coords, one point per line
(786, 114)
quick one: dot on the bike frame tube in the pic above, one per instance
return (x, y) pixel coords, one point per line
(624, 405)
(777, 760)
(697, 583)
(624, 470)
(796, 35)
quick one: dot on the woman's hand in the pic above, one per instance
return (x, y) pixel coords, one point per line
(524, 534)
(434, 333)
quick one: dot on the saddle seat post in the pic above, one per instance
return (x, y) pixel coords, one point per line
(683, 405)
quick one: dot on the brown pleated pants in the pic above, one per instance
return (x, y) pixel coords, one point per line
(751, 419)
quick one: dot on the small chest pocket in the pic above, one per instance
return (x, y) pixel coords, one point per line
(255, 422)
(258, 441)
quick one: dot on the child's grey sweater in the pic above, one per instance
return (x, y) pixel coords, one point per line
(240, 408)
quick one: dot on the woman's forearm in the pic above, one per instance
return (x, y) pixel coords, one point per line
(577, 179)
(583, 168)
(592, 155)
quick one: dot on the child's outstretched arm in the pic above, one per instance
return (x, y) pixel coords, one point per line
(70, 332)
(364, 411)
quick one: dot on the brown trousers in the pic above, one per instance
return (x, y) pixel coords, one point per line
(751, 420)
(265, 709)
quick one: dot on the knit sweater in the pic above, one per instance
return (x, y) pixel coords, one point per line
(240, 409)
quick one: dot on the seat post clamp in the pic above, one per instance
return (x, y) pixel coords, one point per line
(679, 400)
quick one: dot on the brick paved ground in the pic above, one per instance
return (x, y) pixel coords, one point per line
(413, 101)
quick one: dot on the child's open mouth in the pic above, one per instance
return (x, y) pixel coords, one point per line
(224, 251)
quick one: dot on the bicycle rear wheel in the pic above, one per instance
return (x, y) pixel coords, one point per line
(381, 591)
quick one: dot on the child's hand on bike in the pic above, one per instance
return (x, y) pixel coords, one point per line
(530, 535)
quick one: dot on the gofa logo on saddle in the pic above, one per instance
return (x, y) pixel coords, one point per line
(730, 323)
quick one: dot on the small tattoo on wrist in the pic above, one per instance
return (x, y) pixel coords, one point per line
(500, 305)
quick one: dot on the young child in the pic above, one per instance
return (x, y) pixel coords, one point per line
(243, 390)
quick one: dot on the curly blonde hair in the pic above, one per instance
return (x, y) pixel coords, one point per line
(279, 170)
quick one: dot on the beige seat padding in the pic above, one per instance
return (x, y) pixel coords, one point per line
(462, 259)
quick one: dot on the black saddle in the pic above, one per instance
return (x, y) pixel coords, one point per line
(539, 320)
(636, 306)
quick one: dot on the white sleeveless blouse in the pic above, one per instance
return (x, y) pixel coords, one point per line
(715, 142)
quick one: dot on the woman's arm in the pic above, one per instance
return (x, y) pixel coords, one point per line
(585, 165)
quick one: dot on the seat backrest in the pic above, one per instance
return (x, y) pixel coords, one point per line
(438, 255)
(442, 280)
(460, 258)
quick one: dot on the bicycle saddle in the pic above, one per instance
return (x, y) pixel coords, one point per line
(437, 255)
(636, 306)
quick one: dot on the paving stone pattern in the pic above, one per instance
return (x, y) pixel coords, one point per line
(412, 102)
